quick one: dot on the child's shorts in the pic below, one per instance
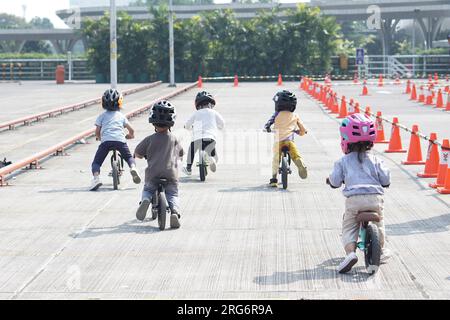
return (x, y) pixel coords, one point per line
(354, 204)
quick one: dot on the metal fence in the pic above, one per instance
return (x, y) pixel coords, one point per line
(406, 66)
(43, 69)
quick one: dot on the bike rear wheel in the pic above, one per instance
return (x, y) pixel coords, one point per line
(372, 252)
(284, 172)
(162, 211)
(115, 175)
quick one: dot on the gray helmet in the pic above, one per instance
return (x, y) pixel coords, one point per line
(285, 101)
(162, 114)
(112, 100)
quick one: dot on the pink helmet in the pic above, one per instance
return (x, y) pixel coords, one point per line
(357, 127)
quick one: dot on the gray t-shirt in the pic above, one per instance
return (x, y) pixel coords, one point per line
(112, 124)
(367, 177)
(162, 151)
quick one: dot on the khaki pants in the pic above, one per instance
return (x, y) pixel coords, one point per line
(354, 204)
(293, 151)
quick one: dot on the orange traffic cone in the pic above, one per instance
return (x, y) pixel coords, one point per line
(447, 107)
(415, 150)
(351, 107)
(432, 163)
(335, 104)
(421, 95)
(430, 79)
(280, 80)
(429, 100)
(446, 188)
(200, 82)
(408, 87)
(365, 91)
(439, 100)
(397, 80)
(236, 81)
(380, 129)
(413, 93)
(436, 78)
(368, 112)
(443, 165)
(380, 81)
(355, 78)
(343, 110)
(357, 108)
(395, 142)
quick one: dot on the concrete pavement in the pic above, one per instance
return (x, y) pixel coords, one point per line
(238, 238)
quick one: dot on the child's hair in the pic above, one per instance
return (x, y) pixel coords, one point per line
(360, 147)
(205, 105)
(161, 126)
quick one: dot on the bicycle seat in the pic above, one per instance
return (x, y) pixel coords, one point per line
(161, 180)
(285, 149)
(366, 216)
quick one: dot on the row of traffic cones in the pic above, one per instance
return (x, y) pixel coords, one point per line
(436, 166)
(429, 98)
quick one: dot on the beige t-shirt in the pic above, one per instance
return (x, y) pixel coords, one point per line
(286, 123)
(162, 151)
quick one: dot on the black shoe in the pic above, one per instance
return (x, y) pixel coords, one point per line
(175, 219)
(273, 183)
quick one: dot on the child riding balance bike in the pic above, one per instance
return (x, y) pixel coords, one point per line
(364, 176)
(286, 125)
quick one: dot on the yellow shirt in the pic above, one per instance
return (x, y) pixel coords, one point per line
(286, 123)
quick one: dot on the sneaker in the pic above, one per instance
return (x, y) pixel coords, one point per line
(135, 175)
(273, 183)
(386, 254)
(212, 164)
(175, 220)
(348, 263)
(302, 170)
(96, 183)
(187, 171)
(142, 210)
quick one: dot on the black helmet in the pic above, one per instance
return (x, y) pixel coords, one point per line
(112, 100)
(285, 101)
(162, 114)
(202, 98)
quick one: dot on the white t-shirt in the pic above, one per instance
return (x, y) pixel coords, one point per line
(205, 123)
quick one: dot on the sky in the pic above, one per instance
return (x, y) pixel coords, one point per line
(47, 8)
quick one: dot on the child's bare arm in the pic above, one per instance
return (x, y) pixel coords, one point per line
(130, 134)
(98, 132)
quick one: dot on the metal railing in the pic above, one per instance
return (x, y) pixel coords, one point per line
(405, 66)
(43, 69)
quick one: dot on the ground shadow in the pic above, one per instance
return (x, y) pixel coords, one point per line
(325, 270)
(132, 226)
(260, 188)
(429, 225)
(84, 189)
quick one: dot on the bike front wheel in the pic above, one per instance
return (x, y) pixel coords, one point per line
(162, 211)
(284, 172)
(115, 175)
(372, 251)
(202, 166)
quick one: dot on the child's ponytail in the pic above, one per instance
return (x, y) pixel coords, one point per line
(361, 147)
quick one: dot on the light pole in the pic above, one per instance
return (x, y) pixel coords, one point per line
(414, 41)
(171, 49)
(113, 43)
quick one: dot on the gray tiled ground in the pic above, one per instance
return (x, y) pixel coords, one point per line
(238, 238)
